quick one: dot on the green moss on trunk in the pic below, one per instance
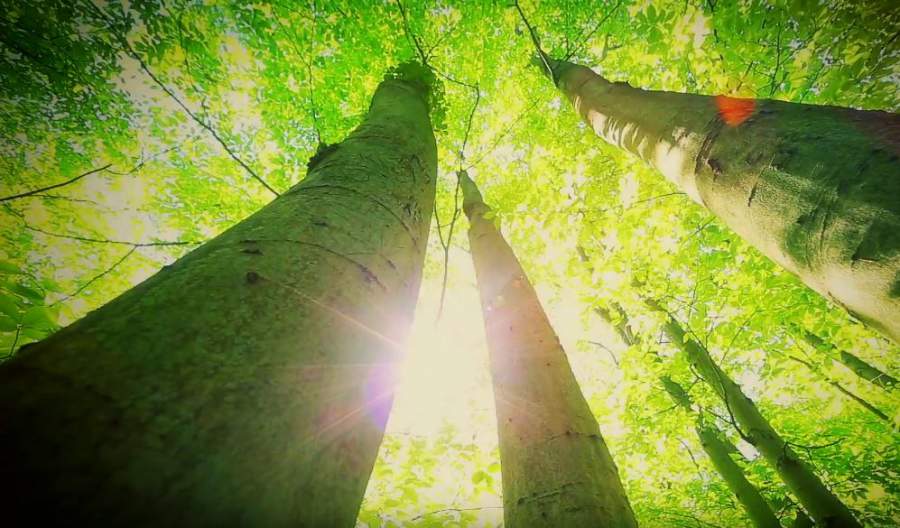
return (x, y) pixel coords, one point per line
(814, 188)
(249, 383)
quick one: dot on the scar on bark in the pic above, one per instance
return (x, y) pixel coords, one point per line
(715, 128)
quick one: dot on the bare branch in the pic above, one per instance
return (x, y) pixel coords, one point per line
(97, 277)
(57, 185)
(410, 36)
(126, 46)
(416, 518)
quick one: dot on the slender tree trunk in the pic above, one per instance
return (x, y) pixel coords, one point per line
(824, 507)
(862, 402)
(249, 383)
(853, 362)
(716, 447)
(719, 450)
(815, 188)
(557, 470)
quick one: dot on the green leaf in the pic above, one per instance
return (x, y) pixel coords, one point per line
(9, 306)
(9, 267)
(38, 317)
(7, 324)
(26, 292)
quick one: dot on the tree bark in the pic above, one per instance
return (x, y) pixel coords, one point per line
(813, 187)
(556, 468)
(823, 506)
(757, 508)
(249, 383)
(853, 362)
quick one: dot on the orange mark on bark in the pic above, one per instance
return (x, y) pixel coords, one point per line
(734, 111)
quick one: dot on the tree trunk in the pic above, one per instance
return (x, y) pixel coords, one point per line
(249, 383)
(557, 470)
(814, 188)
(824, 507)
(861, 401)
(754, 504)
(859, 367)
(719, 452)
(717, 449)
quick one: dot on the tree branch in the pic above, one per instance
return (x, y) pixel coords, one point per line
(204, 124)
(57, 185)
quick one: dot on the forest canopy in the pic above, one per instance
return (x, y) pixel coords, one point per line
(132, 132)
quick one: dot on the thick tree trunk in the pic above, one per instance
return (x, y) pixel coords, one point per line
(557, 470)
(249, 383)
(824, 507)
(859, 366)
(815, 188)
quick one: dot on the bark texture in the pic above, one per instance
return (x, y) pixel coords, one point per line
(556, 468)
(249, 383)
(813, 187)
(823, 506)
(853, 362)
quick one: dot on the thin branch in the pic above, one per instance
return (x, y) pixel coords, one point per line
(197, 119)
(608, 350)
(57, 185)
(584, 39)
(12, 348)
(114, 242)
(416, 518)
(97, 277)
(535, 41)
(410, 36)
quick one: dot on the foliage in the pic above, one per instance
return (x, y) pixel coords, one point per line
(179, 109)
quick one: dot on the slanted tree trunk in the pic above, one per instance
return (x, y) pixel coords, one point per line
(557, 470)
(719, 450)
(858, 399)
(814, 188)
(823, 506)
(853, 362)
(249, 383)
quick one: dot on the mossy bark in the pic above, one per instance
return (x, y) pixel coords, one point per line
(853, 362)
(823, 506)
(249, 383)
(814, 188)
(556, 468)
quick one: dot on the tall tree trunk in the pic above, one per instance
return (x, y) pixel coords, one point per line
(716, 447)
(557, 470)
(824, 507)
(249, 383)
(719, 450)
(814, 188)
(853, 362)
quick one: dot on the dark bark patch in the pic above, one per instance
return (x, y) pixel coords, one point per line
(880, 241)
